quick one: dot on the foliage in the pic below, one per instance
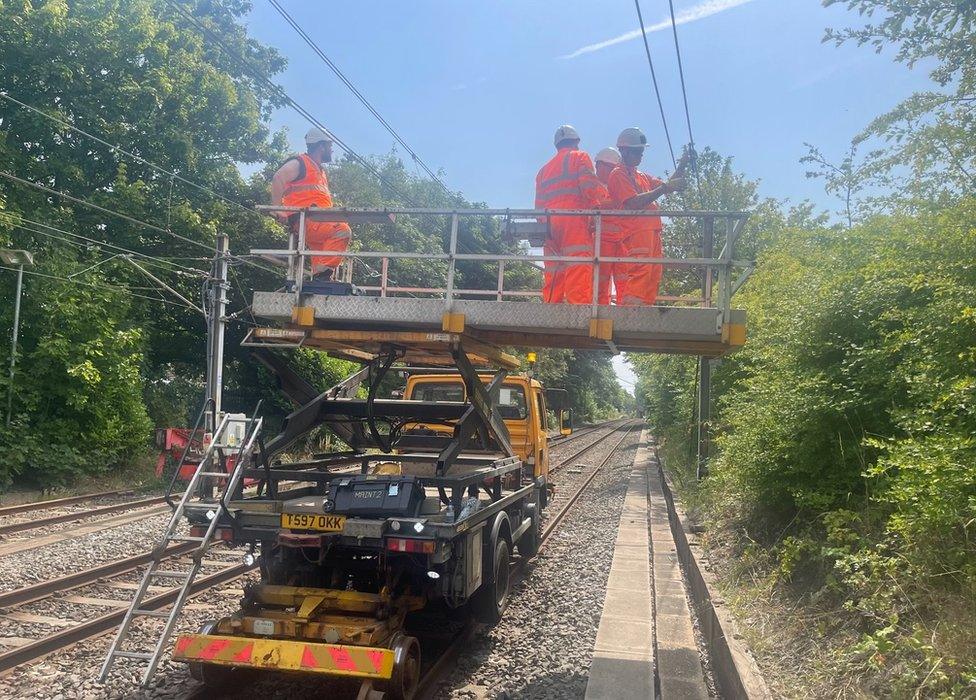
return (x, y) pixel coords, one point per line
(845, 431)
(923, 151)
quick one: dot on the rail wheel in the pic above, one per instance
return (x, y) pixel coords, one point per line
(406, 669)
(490, 601)
(211, 675)
(528, 544)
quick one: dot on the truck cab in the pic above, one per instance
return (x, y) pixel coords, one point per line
(521, 402)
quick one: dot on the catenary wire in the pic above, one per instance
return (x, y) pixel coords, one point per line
(681, 74)
(355, 91)
(657, 91)
(139, 222)
(255, 73)
(17, 221)
(119, 149)
(112, 287)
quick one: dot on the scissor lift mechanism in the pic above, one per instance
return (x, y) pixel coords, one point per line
(285, 625)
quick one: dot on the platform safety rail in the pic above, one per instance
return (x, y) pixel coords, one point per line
(719, 284)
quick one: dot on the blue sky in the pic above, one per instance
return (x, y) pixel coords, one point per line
(477, 88)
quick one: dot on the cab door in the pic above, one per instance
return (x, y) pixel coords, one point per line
(540, 432)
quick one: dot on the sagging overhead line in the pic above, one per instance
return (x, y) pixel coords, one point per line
(657, 91)
(258, 75)
(280, 92)
(117, 288)
(355, 91)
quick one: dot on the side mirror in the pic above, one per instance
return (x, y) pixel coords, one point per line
(566, 421)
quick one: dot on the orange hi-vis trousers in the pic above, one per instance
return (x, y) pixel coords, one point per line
(553, 291)
(326, 236)
(643, 280)
(618, 272)
(570, 282)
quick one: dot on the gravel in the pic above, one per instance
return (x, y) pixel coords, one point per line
(541, 649)
(543, 646)
(59, 558)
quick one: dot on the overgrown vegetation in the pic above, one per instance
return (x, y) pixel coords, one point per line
(105, 353)
(843, 488)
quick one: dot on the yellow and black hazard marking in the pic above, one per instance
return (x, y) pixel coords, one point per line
(284, 655)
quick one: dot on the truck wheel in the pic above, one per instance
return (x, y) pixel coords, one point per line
(492, 598)
(528, 544)
(406, 669)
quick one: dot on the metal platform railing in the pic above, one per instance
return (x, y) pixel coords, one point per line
(718, 271)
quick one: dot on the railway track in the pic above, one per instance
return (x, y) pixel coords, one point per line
(105, 573)
(444, 663)
(58, 502)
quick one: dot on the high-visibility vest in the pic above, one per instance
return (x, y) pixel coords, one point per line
(567, 181)
(310, 190)
(627, 182)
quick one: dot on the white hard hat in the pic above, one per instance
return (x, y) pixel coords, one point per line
(632, 137)
(316, 135)
(565, 132)
(609, 155)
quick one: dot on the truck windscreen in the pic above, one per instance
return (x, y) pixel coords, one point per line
(511, 397)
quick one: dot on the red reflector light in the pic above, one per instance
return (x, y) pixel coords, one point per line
(400, 544)
(223, 534)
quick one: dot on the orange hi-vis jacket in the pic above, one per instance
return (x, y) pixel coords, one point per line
(312, 190)
(568, 181)
(636, 284)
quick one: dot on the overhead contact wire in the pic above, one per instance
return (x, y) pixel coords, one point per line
(355, 91)
(657, 91)
(119, 149)
(684, 97)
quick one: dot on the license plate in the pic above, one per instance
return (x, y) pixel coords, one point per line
(312, 521)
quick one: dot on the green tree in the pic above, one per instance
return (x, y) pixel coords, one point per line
(927, 144)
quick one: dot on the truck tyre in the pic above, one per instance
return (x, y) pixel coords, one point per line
(491, 599)
(531, 539)
(406, 669)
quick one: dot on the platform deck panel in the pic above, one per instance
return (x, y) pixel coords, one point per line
(519, 324)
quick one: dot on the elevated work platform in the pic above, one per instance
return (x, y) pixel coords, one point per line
(328, 317)
(333, 322)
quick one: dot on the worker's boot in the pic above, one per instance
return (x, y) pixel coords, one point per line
(325, 275)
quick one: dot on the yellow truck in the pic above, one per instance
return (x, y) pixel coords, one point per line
(521, 402)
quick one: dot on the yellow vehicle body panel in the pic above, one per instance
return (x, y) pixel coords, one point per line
(285, 655)
(528, 435)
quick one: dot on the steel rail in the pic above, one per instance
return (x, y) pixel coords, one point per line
(104, 623)
(449, 656)
(57, 502)
(585, 449)
(554, 522)
(43, 589)
(80, 515)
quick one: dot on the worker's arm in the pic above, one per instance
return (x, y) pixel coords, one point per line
(642, 201)
(289, 172)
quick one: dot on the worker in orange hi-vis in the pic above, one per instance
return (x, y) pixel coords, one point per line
(568, 181)
(605, 162)
(631, 189)
(611, 234)
(302, 182)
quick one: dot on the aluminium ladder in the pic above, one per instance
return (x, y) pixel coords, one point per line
(224, 439)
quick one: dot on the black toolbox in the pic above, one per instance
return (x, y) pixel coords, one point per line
(367, 495)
